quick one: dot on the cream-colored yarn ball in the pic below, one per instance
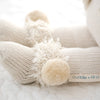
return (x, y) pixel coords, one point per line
(37, 15)
(55, 72)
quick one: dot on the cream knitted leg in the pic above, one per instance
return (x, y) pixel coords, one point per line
(17, 59)
(71, 37)
(84, 64)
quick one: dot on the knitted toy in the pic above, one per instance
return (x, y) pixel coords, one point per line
(34, 55)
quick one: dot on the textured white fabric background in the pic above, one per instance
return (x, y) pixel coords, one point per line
(60, 13)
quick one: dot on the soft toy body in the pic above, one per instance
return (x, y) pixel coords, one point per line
(38, 57)
(93, 18)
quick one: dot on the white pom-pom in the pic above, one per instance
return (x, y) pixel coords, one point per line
(55, 72)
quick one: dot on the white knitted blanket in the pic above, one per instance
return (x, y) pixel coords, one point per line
(66, 13)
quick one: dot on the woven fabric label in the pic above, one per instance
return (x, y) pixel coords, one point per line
(84, 77)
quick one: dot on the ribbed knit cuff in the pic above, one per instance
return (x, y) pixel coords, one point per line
(84, 64)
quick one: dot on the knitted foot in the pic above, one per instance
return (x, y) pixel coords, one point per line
(17, 59)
